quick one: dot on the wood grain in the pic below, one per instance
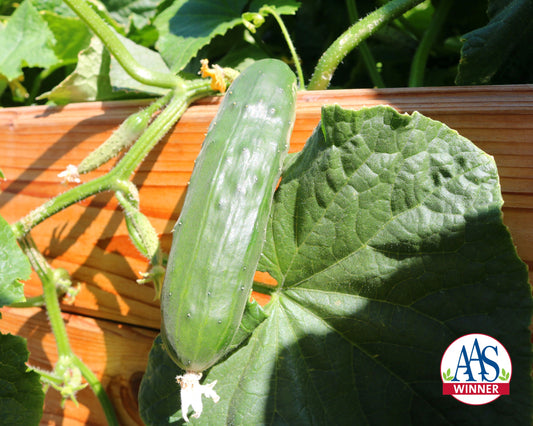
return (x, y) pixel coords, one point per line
(90, 240)
(113, 320)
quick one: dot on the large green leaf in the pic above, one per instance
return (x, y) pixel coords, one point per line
(138, 12)
(99, 77)
(282, 7)
(14, 266)
(387, 242)
(89, 81)
(501, 51)
(188, 25)
(25, 41)
(21, 394)
(71, 36)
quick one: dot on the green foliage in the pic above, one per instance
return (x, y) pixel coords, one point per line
(70, 36)
(26, 41)
(501, 51)
(137, 13)
(188, 25)
(98, 76)
(282, 7)
(38, 57)
(14, 266)
(21, 394)
(89, 81)
(387, 242)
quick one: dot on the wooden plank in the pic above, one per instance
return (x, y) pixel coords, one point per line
(90, 240)
(116, 353)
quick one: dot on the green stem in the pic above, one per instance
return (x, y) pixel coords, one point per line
(347, 41)
(57, 324)
(418, 66)
(153, 134)
(59, 277)
(119, 51)
(288, 39)
(98, 390)
(30, 302)
(114, 179)
(54, 316)
(194, 89)
(37, 260)
(366, 53)
(47, 376)
(59, 203)
(43, 270)
(264, 288)
(158, 103)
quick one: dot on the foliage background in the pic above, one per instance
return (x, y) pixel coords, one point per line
(480, 42)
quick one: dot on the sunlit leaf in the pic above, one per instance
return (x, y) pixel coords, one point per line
(387, 243)
(26, 40)
(14, 266)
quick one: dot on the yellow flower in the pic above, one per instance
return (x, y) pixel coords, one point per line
(218, 81)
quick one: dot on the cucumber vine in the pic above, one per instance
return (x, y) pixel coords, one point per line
(139, 134)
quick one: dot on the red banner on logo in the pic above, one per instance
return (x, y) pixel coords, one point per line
(475, 388)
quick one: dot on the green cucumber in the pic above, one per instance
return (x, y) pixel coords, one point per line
(218, 238)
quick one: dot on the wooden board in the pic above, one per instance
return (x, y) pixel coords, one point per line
(90, 240)
(116, 353)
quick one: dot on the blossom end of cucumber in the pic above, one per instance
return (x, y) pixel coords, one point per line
(192, 392)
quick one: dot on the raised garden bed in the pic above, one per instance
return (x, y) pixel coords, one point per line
(113, 320)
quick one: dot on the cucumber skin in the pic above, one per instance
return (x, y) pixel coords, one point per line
(218, 238)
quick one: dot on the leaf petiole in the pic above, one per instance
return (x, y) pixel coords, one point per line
(418, 66)
(351, 38)
(289, 42)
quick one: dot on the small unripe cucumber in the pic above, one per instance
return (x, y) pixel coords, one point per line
(218, 238)
(127, 133)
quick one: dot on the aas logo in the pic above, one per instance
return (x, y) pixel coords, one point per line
(476, 369)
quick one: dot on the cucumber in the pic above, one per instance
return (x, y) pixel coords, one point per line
(219, 235)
